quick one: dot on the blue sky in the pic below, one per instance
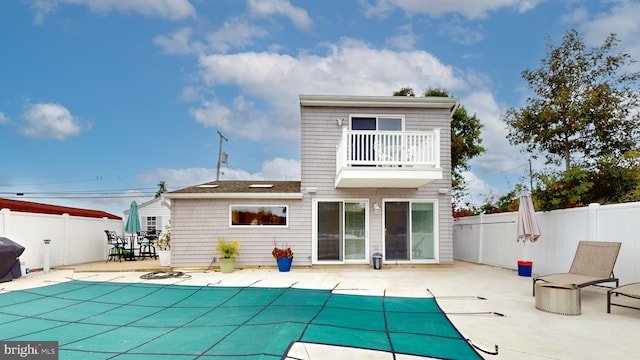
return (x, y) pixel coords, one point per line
(102, 99)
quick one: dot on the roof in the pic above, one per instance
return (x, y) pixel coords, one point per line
(39, 208)
(431, 102)
(241, 189)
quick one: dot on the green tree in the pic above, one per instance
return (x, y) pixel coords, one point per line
(584, 104)
(404, 92)
(466, 140)
(466, 143)
(162, 188)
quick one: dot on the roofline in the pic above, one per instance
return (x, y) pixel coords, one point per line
(272, 195)
(431, 102)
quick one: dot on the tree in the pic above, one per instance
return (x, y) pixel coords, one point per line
(465, 139)
(583, 107)
(162, 188)
(404, 92)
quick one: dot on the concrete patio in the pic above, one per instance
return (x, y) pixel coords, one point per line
(489, 305)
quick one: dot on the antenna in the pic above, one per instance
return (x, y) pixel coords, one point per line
(222, 156)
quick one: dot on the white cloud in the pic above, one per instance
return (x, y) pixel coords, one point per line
(51, 121)
(277, 80)
(165, 9)
(179, 42)
(471, 9)
(459, 32)
(3, 118)
(268, 8)
(242, 119)
(42, 8)
(235, 33)
(405, 40)
(494, 132)
(622, 20)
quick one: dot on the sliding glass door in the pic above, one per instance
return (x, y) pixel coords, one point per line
(341, 230)
(409, 230)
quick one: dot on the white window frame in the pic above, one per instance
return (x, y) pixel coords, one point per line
(436, 230)
(314, 235)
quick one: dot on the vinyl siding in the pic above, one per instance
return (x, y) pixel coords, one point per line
(199, 223)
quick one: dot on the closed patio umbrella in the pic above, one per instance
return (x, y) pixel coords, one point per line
(133, 223)
(528, 230)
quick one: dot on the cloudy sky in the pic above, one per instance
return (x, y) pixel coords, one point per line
(102, 99)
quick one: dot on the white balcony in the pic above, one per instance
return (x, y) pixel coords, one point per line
(387, 159)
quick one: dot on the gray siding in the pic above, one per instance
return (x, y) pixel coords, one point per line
(320, 135)
(197, 225)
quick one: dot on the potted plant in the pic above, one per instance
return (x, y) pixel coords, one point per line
(283, 256)
(228, 251)
(164, 246)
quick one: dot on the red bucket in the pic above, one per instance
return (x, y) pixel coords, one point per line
(524, 268)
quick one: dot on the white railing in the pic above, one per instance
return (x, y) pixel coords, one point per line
(388, 148)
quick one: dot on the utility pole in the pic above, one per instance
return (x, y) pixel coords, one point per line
(222, 157)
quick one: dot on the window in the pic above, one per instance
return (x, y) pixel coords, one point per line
(258, 215)
(152, 223)
(379, 123)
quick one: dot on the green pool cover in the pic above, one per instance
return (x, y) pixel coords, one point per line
(107, 320)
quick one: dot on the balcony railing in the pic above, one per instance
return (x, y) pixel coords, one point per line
(415, 149)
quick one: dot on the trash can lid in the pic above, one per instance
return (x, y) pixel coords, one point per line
(377, 254)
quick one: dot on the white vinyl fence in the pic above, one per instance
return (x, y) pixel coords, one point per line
(491, 239)
(74, 239)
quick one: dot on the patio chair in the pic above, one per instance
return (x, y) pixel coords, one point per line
(146, 241)
(592, 264)
(630, 290)
(116, 244)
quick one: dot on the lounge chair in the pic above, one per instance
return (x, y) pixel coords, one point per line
(629, 290)
(592, 264)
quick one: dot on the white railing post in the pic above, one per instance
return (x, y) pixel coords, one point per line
(436, 147)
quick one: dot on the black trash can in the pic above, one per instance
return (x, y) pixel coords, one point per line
(377, 261)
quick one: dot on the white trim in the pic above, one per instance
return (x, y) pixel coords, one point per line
(431, 102)
(314, 232)
(273, 195)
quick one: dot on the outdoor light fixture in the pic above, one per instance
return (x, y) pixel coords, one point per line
(376, 208)
(339, 121)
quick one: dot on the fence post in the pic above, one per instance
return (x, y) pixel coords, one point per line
(481, 237)
(593, 221)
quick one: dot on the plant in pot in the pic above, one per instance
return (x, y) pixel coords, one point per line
(164, 246)
(228, 251)
(283, 256)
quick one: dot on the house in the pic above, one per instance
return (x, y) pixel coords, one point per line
(154, 214)
(375, 178)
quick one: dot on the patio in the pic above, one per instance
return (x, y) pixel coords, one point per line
(488, 305)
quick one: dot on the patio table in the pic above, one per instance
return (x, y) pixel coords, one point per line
(558, 298)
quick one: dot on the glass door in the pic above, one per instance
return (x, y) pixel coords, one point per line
(396, 230)
(341, 230)
(409, 230)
